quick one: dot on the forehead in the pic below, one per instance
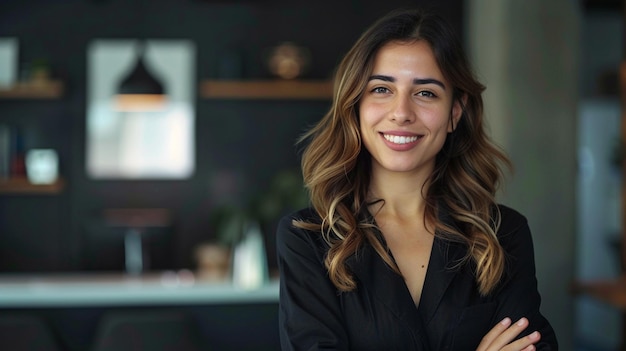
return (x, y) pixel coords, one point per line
(415, 54)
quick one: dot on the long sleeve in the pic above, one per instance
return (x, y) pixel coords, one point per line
(519, 296)
(457, 316)
(310, 316)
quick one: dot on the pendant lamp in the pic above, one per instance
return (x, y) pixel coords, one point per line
(140, 90)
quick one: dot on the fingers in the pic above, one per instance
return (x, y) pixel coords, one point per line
(494, 333)
(501, 337)
(526, 343)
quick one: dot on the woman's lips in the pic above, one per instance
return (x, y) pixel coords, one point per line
(400, 142)
(400, 139)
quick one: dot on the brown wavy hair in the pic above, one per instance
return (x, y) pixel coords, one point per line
(336, 166)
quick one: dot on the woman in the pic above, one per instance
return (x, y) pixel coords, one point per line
(404, 247)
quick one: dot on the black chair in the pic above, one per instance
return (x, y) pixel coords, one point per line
(25, 332)
(146, 331)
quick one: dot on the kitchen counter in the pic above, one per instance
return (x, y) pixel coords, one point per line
(165, 288)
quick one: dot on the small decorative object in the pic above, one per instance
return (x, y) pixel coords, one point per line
(213, 262)
(42, 166)
(288, 60)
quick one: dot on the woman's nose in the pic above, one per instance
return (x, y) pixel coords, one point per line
(403, 112)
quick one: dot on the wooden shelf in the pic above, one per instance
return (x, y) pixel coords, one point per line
(611, 291)
(267, 89)
(52, 89)
(21, 186)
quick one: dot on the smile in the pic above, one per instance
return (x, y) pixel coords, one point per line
(397, 139)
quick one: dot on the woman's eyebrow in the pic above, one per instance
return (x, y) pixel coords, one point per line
(416, 81)
(420, 81)
(383, 78)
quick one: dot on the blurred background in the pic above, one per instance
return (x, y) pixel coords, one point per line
(114, 215)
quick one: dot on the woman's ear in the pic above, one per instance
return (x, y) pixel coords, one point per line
(457, 111)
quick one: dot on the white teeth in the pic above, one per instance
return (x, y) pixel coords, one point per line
(396, 139)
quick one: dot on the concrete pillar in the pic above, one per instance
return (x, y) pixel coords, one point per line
(526, 52)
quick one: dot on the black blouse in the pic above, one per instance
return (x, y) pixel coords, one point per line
(381, 315)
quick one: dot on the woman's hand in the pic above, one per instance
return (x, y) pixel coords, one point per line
(500, 337)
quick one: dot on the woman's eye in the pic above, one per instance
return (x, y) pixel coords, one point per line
(380, 90)
(428, 94)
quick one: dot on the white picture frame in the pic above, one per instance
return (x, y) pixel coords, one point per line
(135, 144)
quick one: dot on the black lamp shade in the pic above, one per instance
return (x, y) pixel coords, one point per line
(140, 90)
(140, 81)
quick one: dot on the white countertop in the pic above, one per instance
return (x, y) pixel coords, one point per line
(167, 288)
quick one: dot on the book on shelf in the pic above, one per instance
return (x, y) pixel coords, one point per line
(12, 163)
(5, 151)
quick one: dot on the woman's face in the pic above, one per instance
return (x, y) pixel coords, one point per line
(406, 108)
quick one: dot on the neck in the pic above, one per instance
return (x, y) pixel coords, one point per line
(403, 193)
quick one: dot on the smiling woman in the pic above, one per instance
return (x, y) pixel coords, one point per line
(404, 245)
(406, 111)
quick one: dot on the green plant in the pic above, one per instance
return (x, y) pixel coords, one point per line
(285, 193)
(39, 68)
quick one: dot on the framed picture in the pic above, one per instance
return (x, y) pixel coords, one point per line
(140, 144)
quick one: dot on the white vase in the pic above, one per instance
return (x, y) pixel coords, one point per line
(249, 259)
(42, 166)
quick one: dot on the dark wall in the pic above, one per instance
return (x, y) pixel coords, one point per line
(246, 142)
